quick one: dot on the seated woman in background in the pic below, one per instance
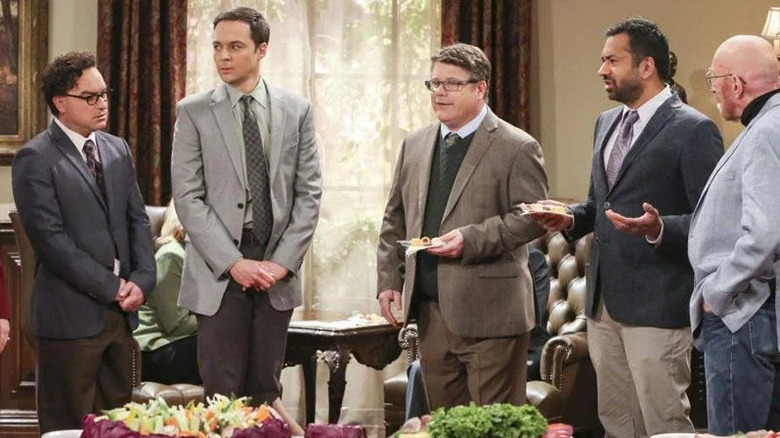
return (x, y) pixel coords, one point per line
(167, 333)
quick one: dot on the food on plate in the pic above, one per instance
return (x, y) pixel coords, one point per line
(425, 241)
(222, 417)
(537, 207)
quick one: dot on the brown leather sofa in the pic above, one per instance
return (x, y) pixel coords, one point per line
(180, 393)
(567, 391)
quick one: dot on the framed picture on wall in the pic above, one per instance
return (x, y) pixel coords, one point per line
(24, 27)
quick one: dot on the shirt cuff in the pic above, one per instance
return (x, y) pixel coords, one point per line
(657, 242)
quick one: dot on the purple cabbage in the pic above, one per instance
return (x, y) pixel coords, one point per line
(335, 431)
(270, 428)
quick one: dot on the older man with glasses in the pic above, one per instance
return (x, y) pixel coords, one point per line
(734, 241)
(462, 178)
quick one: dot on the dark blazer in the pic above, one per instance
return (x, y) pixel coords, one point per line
(667, 166)
(76, 235)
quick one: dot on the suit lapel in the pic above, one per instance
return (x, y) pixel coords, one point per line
(653, 127)
(278, 118)
(70, 151)
(773, 102)
(422, 154)
(611, 121)
(483, 138)
(107, 158)
(220, 106)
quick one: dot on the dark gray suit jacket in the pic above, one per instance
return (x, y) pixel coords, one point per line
(667, 166)
(74, 233)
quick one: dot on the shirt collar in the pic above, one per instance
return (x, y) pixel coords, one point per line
(77, 139)
(469, 127)
(259, 93)
(648, 109)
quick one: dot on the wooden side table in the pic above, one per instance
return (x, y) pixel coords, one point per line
(333, 338)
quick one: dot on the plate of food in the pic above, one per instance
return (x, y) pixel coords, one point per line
(537, 207)
(420, 243)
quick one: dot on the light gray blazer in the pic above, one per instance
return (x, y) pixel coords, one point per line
(734, 239)
(209, 191)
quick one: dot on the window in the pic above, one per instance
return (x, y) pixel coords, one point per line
(362, 64)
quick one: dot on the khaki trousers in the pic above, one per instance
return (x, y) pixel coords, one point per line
(642, 374)
(457, 370)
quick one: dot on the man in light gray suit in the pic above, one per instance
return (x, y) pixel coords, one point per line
(734, 241)
(247, 186)
(76, 191)
(463, 178)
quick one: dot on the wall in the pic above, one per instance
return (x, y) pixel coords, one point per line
(72, 26)
(568, 94)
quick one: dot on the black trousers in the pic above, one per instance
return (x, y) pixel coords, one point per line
(81, 376)
(176, 362)
(241, 347)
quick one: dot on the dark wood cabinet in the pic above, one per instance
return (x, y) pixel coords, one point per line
(17, 363)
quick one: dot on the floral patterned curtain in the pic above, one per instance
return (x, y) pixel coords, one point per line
(142, 49)
(503, 30)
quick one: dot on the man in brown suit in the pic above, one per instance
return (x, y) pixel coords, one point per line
(462, 179)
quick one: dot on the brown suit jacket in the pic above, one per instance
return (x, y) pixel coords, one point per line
(488, 292)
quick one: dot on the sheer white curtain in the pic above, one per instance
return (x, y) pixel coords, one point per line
(361, 63)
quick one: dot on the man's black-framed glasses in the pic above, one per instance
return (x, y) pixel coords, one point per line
(710, 77)
(92, 99)
(449, 85)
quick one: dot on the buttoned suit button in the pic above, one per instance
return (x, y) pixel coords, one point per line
(235, 241)
(597, 240)
(607, 205)
(240, 205)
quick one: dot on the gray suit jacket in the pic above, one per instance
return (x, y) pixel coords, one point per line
(76, 235)
(209, 191)
(734, 241)
(488, 292)
(667, 166)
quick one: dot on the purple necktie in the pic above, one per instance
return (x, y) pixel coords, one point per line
(621, 146)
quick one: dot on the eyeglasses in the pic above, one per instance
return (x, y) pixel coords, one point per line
(711, 76)
(435, 84)
(92, 99)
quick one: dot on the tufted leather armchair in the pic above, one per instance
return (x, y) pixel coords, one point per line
(565, 363)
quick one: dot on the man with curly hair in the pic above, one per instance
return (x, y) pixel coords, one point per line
(76, 191)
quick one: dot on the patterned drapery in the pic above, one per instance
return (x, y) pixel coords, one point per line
(503, 30)
(142, 53)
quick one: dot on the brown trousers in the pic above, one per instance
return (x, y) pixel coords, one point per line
(241, 347)
(457, 370)
(81, 376)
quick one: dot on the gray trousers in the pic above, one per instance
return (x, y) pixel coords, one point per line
(241, 347)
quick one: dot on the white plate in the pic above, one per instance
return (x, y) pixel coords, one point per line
(72, 433)
(674, 435)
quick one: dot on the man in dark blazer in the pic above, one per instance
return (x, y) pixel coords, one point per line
(76, 191)
(463, 178)
(651, 154)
